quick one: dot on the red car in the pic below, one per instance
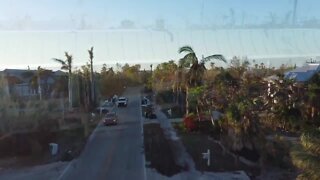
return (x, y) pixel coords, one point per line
(110, 119)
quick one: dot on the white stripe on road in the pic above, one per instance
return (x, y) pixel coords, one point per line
(143, 156)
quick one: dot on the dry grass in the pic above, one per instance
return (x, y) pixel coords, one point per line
(29, 115)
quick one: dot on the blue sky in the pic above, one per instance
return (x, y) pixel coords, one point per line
(177, 13)
(34, 31)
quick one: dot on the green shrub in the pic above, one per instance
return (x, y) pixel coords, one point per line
(180, 127)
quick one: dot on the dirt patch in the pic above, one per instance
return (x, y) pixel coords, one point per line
(173, 112)
(158, 151)
(32, 148)
(220, 161)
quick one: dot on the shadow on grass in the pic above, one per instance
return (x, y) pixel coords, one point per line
(176, 112)
(220, 161)
(32, 148)
(158, 151)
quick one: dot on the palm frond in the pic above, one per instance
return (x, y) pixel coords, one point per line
(66, 54)
(191, 58)
(62, 62)
(90, 51)
(186, 49)
(69, 59)
(187, 60)
(214, 57)
(65, 67)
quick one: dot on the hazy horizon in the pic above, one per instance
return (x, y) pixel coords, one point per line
(33, 32)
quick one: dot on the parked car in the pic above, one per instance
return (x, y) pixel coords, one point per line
(110, 119)
(148, 112)
(122, 102)
(105, 108)
(145, 102)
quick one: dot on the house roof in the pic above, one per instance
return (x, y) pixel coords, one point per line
(59, 73)
(271, 78)
(303, 74)
(20, 75)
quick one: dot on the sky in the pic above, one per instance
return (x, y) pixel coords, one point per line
(32, 32)
(177, 13)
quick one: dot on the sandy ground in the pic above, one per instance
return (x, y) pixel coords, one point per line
(185, 159)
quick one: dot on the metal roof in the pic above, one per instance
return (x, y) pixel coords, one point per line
(303, 74)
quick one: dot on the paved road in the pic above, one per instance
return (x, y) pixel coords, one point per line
(113, 152)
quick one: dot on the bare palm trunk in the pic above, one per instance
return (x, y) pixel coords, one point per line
(178, 95)
(312, 112)
(92, 83)
(67, 65)
(198, 113)
(39, 88)
(70, 90)
(187, 100)
(92, 87)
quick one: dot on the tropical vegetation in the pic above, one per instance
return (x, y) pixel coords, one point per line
(257, 103)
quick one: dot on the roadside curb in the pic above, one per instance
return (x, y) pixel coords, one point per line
(142, 119)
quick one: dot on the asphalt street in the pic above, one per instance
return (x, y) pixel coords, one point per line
(113, 152)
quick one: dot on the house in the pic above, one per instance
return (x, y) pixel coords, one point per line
(4, 88)
(303, 74)
(300, 76)
(26, 83)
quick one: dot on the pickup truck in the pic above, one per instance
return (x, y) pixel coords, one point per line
(122, 102)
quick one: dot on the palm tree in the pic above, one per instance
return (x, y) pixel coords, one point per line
(67, 66)
(197, 70)
(42, 74)
(85, 87)
(37, 78)
(90, 51)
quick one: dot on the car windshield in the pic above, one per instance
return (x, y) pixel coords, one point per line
(159, 89)
(110, 115)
